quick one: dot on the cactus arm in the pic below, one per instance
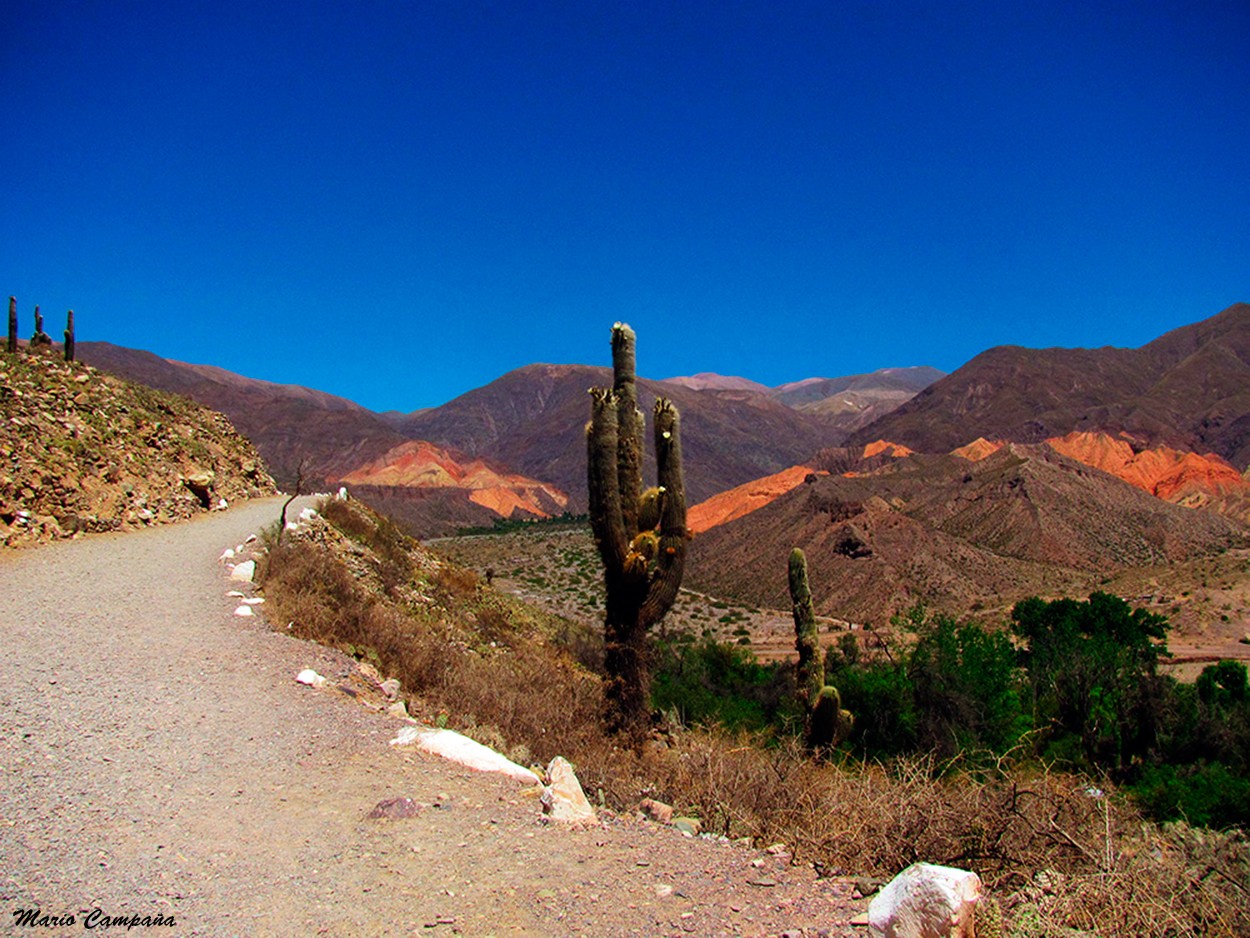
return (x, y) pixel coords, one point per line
(69, 336)
(601, 471)
(671, 557)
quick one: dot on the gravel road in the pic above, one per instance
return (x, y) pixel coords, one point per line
(157, 759)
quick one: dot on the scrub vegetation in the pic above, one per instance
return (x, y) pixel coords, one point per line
(966, 747)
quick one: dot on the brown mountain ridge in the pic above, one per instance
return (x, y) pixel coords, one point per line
(956, 534)
(1188, 389)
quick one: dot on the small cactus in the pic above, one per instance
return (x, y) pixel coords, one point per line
(69, 337)
(826, 723)
(12, 324)
(988, 918)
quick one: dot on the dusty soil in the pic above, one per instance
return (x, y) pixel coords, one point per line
(157, 758)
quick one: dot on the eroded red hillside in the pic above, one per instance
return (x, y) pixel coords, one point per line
(885, 448)
(744, 499)
(1170, 474)
(978, 449)
(418, 464)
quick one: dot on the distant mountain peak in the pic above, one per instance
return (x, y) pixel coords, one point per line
(709, 380)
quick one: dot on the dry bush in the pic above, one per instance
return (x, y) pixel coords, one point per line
(1058, 853)
(455, 582)
(378, 533)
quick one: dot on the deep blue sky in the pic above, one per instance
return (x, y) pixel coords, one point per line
(398, 202)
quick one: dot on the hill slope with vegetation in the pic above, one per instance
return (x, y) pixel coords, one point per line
(85, 451)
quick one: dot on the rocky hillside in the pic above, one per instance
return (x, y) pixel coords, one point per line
(1188, 389)
(856, 401)
(432, 492)
(85, 451)
(1182, 478)
(844, 404)
(959, 535)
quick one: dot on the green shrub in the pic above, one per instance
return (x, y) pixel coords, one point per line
(1205, 794)
(711, 682)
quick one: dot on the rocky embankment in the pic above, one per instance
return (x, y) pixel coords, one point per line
(84, 451)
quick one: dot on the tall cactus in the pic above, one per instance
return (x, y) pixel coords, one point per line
(640, 535)
(69, 337)
(825, 724)
(12, 325)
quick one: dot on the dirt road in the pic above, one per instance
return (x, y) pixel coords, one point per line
(157, 759)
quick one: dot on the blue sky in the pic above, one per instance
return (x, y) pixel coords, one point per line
(397, 202)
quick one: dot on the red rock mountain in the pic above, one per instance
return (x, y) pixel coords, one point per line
(743, 499)
(1186, 479)
(418, 464)
(528, 422)
(1188, 389)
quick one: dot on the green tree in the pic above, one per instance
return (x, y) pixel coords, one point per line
(1092, 669)
(967, 688)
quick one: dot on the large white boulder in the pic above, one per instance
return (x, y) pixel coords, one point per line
(926, 901)
(468, 752)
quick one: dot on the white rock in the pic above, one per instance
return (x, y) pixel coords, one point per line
(390, 687)
(310, 677)
(563, 799)
(227, 554)
(308, 514)
(292, 526)
(462, 750)
(250, 538)
(341, 496)
(398, 709)
(244, 572)
(926, 901)
(235, 594)
(244, 611)
(222, 504)
(254, 601)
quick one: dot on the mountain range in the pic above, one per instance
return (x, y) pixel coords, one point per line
(525, 426)
(1024, 471)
